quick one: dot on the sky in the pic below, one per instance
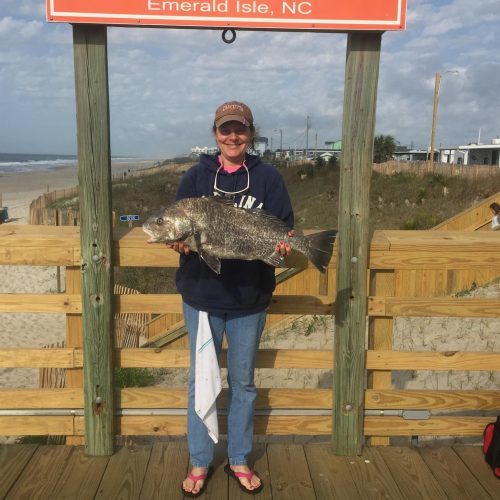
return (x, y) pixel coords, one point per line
(165, 84)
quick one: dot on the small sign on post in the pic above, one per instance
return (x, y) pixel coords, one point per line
(312, 15)
(126, 218)
(129, 219)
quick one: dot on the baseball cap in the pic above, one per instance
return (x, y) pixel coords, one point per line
(233, 111)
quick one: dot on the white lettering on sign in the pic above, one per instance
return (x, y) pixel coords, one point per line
(297, 7)
(252, 7)
(213, 6)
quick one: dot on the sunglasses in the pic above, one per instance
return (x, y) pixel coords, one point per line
(230, 129)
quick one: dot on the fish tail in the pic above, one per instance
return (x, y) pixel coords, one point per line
(320, 248)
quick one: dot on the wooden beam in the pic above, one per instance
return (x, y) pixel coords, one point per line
(456, 307)
(94, 178)
(290, 399)
(175, 425)
(360, 97)
(380, 337)
(74, 338)
(71, 303)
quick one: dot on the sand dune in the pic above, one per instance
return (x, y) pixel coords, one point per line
(34, 330)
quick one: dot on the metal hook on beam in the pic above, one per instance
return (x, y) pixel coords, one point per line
(225, 38)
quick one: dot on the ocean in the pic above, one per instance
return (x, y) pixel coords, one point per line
(11, 163)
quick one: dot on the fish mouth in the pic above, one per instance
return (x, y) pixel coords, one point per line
(153, 238)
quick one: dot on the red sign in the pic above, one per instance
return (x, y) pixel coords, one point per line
(311, 15)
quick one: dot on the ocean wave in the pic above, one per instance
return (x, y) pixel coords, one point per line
(14, 164)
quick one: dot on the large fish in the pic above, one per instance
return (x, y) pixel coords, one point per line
(216, 229)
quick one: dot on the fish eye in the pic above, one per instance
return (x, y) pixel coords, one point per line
(159, 221)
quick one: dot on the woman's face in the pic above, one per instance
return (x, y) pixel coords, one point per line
(233, 139)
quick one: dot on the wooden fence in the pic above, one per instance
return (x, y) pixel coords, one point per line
(41, 211)
(400, 263)
(446, 169)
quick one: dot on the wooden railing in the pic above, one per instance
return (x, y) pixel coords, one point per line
(412, 273)
(477, 218)
(446, 169)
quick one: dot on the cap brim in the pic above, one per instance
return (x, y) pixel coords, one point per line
(231, 118)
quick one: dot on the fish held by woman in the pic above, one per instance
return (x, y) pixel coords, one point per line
(216, 229)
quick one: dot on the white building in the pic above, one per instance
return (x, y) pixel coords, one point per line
(482, 154)
(261, 145)
(197, 150)
(452, 156)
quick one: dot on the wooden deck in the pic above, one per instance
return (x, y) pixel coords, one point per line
(290, 471)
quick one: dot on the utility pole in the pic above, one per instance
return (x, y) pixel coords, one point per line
(437, 85)
(281, 139)
(434, 114)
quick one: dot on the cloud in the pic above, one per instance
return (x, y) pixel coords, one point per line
(164, 84)
(18, 30)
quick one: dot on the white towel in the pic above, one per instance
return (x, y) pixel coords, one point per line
(207, 377)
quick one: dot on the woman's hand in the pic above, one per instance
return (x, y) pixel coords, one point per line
(284, 249)
(179, 246)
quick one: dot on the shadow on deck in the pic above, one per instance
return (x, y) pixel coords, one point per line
(289, 471)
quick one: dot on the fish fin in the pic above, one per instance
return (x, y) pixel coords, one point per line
(275, 259)
(320, 248)
(264, 214)
(261, 212)
(222, 199)
(210, 260)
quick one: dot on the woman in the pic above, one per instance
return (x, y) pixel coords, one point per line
(495, 220)
(237, 299)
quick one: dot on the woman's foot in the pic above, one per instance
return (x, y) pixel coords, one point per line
(194, 483)
(247, 479)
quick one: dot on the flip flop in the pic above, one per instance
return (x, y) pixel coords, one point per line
(202, 477)
(248, 475)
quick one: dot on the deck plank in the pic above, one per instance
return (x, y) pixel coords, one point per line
(410, 472)
(289, 472)
(13, 459)
(165, 471)
(329, 473)
(81, 476)
(217, 487)
(257, 461)
(453, 476)
(41, 473)
(473, 458)
(125, 473)
(372, 476)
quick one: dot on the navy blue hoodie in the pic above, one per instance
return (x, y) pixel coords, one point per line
(242, 286)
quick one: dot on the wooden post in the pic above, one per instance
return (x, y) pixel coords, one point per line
(94, 177)
(360, 96)
(74, 338)
(380, 337)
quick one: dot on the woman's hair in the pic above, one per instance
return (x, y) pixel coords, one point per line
(252, 131)
(495, 207)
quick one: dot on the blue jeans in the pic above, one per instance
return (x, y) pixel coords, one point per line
(243, 334)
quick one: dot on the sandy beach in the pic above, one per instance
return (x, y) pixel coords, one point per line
(35, 330)
(17, 190)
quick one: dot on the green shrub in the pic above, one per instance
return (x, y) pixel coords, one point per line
(137, 377)
(422, 193)
(422, 221)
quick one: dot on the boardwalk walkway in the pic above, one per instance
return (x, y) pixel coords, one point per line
(290, 471)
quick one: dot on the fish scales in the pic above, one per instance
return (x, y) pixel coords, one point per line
(216, 229)
(236, 233)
